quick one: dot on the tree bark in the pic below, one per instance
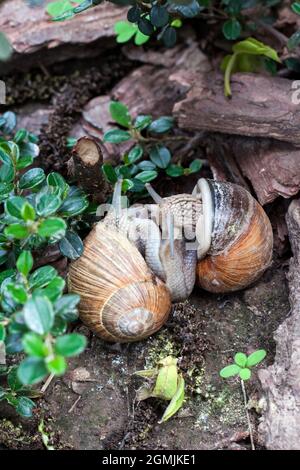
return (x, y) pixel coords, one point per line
(36, 39)
(260, 107)
(86, 166)
(281, 382)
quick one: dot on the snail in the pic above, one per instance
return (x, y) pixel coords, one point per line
(136, 263)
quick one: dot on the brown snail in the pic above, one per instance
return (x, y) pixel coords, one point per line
(134, 265)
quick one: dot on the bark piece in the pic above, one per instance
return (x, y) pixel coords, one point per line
(272, 167)
(85, 165)
(280, 382)
(260, 106)
(37, 39)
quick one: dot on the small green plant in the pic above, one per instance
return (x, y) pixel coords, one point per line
(36, 211)
(247, 57)
(149, 137)
(5, 48)
(242, 367)
(164, 382)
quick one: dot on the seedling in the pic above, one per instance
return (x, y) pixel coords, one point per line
(242, 367)
(246, 57)
(148, 137)
(164, 382)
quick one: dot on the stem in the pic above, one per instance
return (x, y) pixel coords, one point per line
(228, 72)
(247, 414)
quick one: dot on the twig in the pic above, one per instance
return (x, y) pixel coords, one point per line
(247, 413)
(282, 38)
(74, 404)
(47, 383)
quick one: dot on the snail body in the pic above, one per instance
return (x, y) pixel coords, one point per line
(134, 265)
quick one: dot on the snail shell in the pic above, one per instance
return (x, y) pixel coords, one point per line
(121, 299)
(235, 237)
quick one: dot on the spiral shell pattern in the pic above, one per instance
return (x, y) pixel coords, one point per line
(241, 241)
(121, 299)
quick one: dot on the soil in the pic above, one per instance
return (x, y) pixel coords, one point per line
(94, 405)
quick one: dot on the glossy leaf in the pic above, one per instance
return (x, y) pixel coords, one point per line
(230, 371)
(120, 113)
(32, 370)
(116, 136)
(256, 357)
(71, 245)
(39, 314)
(160, 156)
(70, 345)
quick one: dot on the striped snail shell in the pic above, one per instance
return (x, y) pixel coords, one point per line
(235, 237)
(121, 299)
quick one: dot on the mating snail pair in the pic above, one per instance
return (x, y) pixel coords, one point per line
(218, 237)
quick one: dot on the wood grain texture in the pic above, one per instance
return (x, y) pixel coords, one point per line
(281, 384)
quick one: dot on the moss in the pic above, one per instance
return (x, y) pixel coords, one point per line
(15, 437)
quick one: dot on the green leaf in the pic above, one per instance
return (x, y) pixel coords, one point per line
(56, 180)
(142, 122)
(41, 277)
(13, 380)
(24, 262)
(20, 135)
(245, 374)
(195, 166)
(146, 176)
(39, 314)
(127, 184)
(47, 204)
(146, 165)
(120, 113)
(66, 304)
(159, 16)
(230, 371)
(10, 121)
(2, 332)
(5, 157)
(232, 29)
(53, 290)
(240, 359)
(296, 7)
(169, 37)
(73, 206)
(14, 206)
(32, 178)
(109, 173)
(70, 345)
(124, 31)
(135, 154)
(34, 345)
(160, 156)
(24, 162)
(116, 136)
(56, 365)
(71, 245)
(17, 292)
(140, 38)
(58, 8)
(27, 212)
(52, 227)
(174, 170)
(256, 357)
(5, 47)
(161, 125)
(25, 406)
(176, 402)
(17, 231)
(145, 26)
(32, 370)
(252, 46)
(294, 41)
